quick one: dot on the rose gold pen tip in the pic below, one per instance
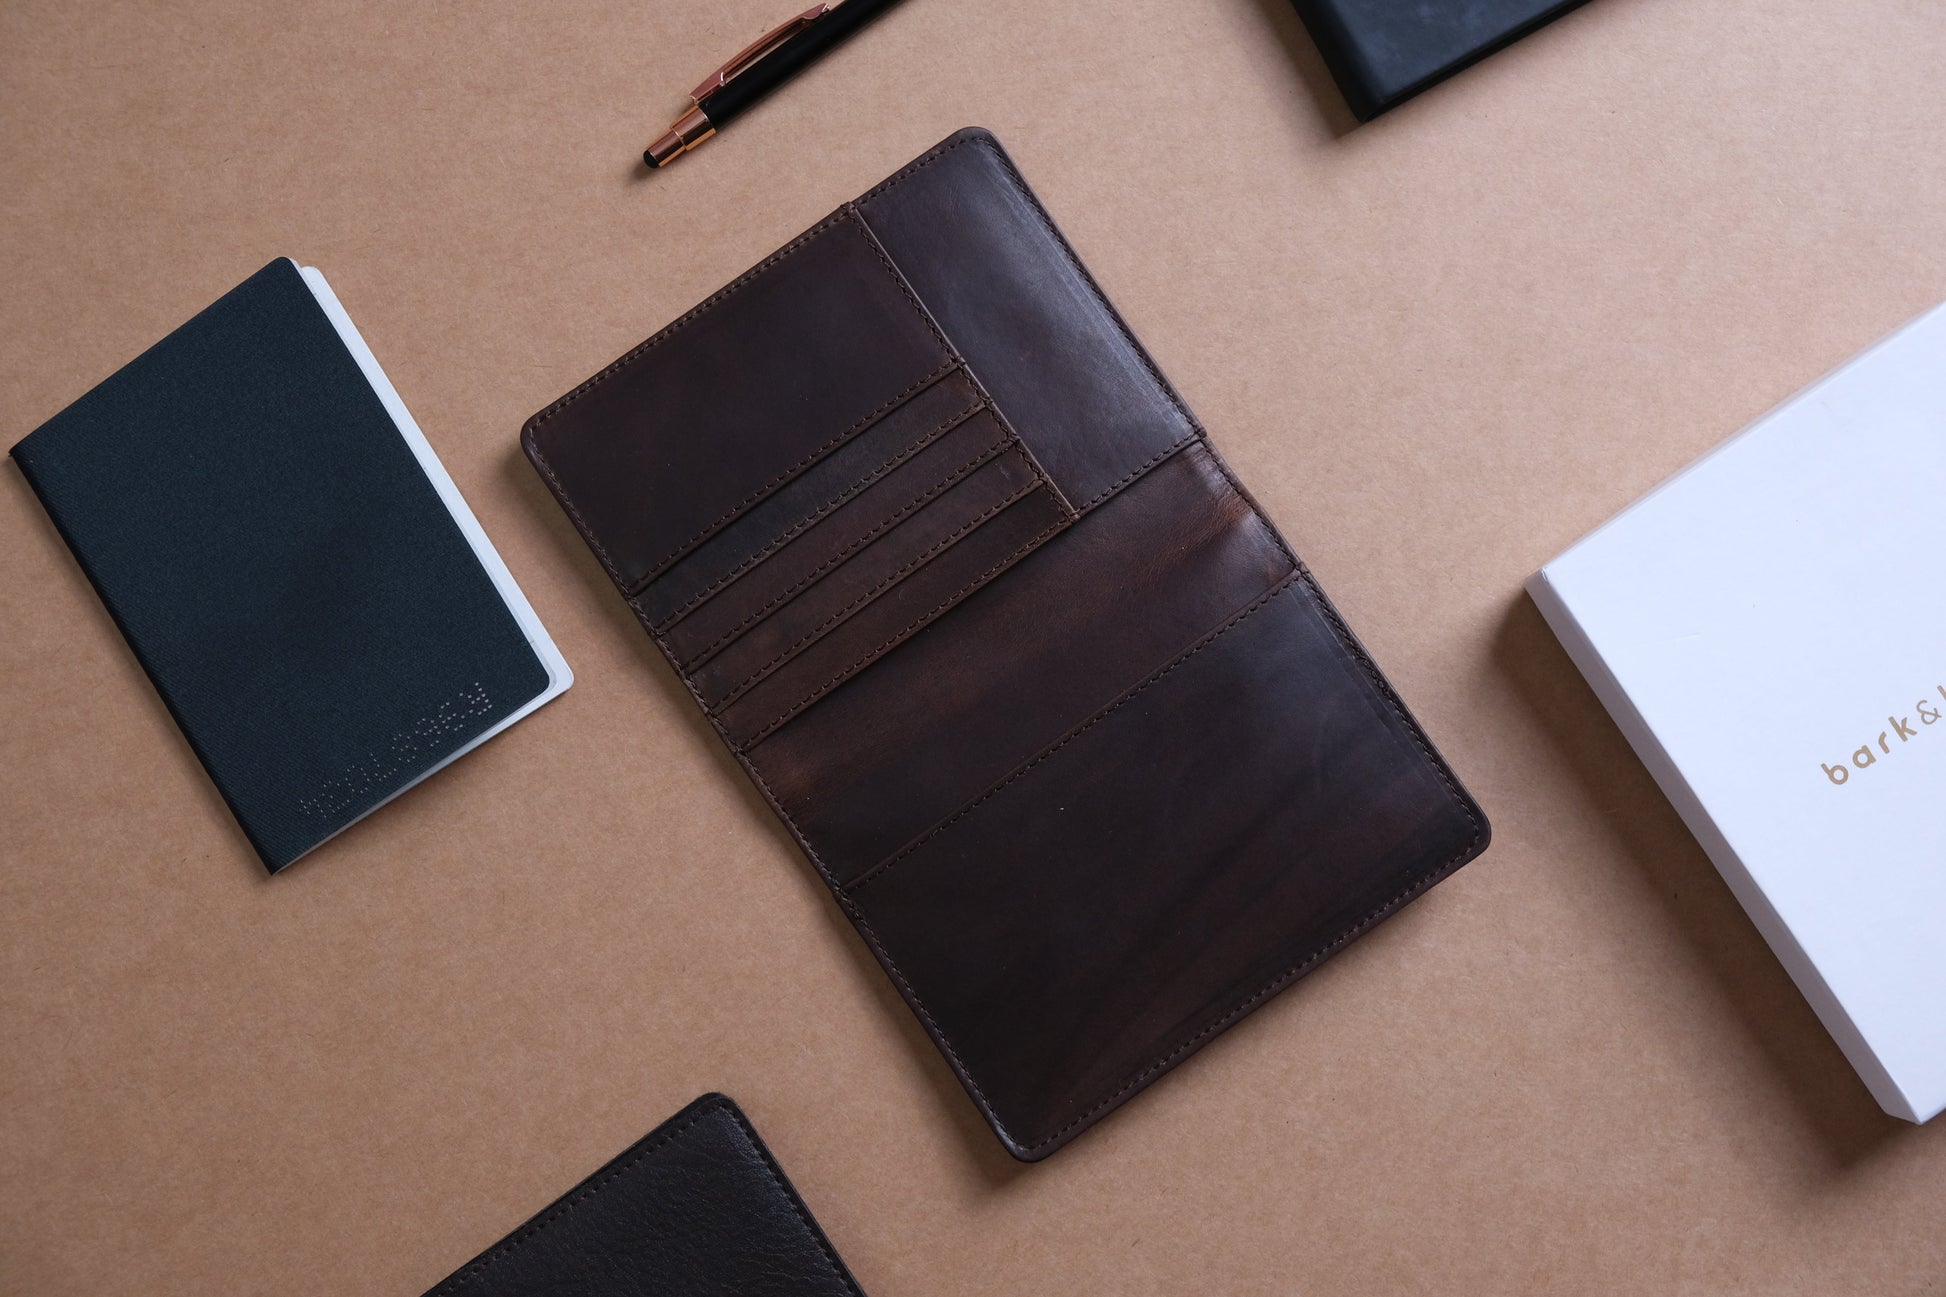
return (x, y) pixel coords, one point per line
(684, 134)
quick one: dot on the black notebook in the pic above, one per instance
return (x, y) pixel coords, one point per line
(1383, 52)
(290, 563)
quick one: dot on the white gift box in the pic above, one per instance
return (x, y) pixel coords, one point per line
(1768, 628)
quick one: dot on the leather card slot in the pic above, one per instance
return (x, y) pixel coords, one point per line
(871, 574)
(1086, 616)
(895, 437)
(978, 550)
(820, 550)
(691, 430)
(1216, 833)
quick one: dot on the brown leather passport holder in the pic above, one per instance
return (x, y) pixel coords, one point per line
(1072, 736)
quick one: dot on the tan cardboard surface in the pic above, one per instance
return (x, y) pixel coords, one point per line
(1439, 348)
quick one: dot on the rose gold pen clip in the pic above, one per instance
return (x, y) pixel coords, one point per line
(697, 125)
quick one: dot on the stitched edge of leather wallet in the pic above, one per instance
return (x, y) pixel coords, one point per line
(1165, 1059)
(622, 1164)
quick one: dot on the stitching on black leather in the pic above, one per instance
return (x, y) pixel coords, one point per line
(985, 455)
(804, 524)
(560, 1210)
(845, 213)
(804, 1216)
(1061, 520)
(937, 548)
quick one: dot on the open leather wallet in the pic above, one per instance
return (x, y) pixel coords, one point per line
(1071, 734)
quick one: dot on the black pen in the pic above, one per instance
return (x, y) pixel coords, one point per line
(768, 62)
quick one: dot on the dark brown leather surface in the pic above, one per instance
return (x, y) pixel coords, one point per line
(1073, 737)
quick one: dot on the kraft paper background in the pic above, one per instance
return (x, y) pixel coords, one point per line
(1439, 348)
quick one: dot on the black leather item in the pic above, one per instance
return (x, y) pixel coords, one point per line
(1074, 739)
(697, 1208)
(1383, 52)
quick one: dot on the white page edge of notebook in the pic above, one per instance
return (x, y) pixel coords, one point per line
(1893, 1096)
(559, 675)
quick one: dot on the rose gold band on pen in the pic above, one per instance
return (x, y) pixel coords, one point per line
(688, 130)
